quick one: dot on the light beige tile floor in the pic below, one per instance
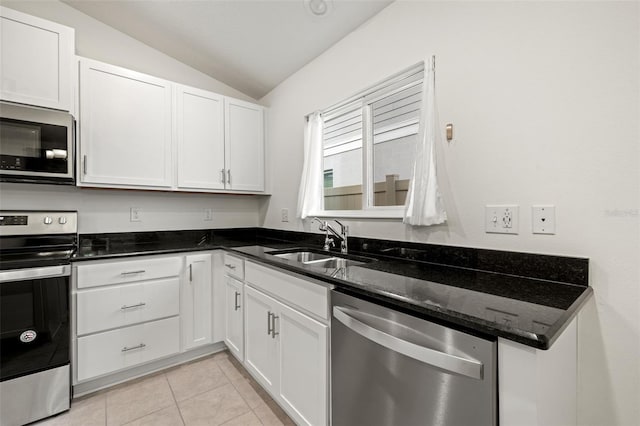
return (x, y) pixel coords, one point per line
(215, 390)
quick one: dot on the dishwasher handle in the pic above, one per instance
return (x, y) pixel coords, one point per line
(447, 362)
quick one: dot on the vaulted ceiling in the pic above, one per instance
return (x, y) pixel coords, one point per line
(251, 45)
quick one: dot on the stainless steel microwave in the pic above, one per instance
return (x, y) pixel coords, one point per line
(36, 145)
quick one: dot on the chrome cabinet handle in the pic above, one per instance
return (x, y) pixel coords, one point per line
(230, 266)
(229, 176)
(125, 307)
(191, 272)
(141, 271)
(235, 302)
(273, 326)
(140, 346)
(269, 322)
(447, 362)
(222, 175)
(84, 164)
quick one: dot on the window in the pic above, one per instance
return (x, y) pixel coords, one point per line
(368, 147)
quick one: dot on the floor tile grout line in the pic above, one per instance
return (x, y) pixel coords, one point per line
(175, 400)
(199, 393)
(159, 409)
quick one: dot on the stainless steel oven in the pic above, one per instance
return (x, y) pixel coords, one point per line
(389, 368)
(35, 253)
(36, 145)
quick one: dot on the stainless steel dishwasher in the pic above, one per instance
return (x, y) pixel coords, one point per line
(390, 368)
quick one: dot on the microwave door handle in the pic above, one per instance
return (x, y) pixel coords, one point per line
(447, 362)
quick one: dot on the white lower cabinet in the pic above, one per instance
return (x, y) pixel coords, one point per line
(234, 318)
(286, 350)
(196, 301)
(261, 349)
(303, 366)
(114, 350)
(133, 311)
(101, 309)
(539, 387)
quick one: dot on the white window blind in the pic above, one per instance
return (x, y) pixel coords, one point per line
(343, 129)
(368, 144)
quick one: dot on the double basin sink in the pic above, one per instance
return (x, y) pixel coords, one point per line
(319, 259)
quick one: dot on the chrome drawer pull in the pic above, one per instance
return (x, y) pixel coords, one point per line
(236, 304)
(140, 346)
(230, 266)
(141, 271)
(269, 322)
(124, 307)
(273, 326)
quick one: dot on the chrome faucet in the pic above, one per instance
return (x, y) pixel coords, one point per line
(342, 235)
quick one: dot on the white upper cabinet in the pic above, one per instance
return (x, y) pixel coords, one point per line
(199, 118)
(125, 127)
(132, 126)
(244, 136)
(36, 60)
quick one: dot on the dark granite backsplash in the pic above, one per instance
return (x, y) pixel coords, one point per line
(563, 269)
(568, 270)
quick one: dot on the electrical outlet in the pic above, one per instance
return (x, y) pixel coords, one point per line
(136, 214)
(285, 215)
(501, 219)
(208, 214)
(543, 219)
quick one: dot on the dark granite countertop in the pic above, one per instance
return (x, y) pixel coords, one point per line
(529, 310)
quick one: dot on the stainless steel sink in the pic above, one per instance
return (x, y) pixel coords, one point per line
(304, 256)
(336, 263)
(319, 260)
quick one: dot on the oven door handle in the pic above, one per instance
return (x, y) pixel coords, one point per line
(447, 362)
(33, 273)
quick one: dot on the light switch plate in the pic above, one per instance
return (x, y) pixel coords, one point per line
(208, 214)
(501, 219)
(543, 219)
(285, 215)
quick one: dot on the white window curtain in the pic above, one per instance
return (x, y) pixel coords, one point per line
(424, 206)
(310, 193)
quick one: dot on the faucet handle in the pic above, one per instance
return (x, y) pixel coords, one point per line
(323, 224)
(343, 228)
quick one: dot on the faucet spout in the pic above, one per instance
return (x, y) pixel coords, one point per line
(328, 229)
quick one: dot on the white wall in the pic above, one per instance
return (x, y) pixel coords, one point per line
(108, 210)
(544, 97)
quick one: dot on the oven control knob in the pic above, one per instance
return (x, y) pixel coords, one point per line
(48, 220)
(62, 220)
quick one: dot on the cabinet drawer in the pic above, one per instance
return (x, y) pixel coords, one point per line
(98, 274)
(111, 351)
(234, 266)
(303, 294)
(111, 307)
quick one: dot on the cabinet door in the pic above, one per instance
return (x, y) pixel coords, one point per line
(196, 301)
(200, 138)
(303, 360)
(125, 127)
(36, 60)
(233, 318)
(261, 349)
(244, 138)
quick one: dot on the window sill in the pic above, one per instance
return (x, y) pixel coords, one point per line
(397, 213)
